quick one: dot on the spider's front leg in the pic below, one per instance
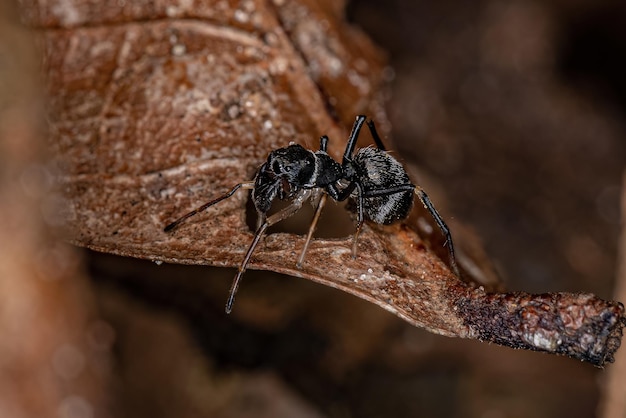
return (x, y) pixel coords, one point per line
(341, 195)
(296, 204)
(354, 135)
(321, 201)
(245, 186)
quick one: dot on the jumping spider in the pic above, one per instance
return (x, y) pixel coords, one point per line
(375, 181)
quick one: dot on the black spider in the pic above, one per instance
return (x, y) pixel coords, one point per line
(376, 182)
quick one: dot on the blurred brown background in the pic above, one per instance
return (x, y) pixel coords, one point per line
(517, 109)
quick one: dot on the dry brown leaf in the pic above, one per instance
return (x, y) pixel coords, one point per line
(157, 109)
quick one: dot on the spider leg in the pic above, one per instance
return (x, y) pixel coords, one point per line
(324, 143)
(260, 218)
(354, 135)
(316, 217)
(423, 197)
(360, 218)
(169, 227)
(388, 191)
(341, 195)
(284, 213)
(377, 140)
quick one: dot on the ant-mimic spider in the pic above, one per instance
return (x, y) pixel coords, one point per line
(375, 181)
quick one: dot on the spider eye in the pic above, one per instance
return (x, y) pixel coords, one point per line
(279, 167)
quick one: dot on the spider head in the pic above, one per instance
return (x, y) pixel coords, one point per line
(286, 171)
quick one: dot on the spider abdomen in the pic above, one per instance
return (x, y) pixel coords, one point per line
(378, 171)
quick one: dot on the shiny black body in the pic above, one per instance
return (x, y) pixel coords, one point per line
(289, 170)
(376, 183)
(378, 171)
